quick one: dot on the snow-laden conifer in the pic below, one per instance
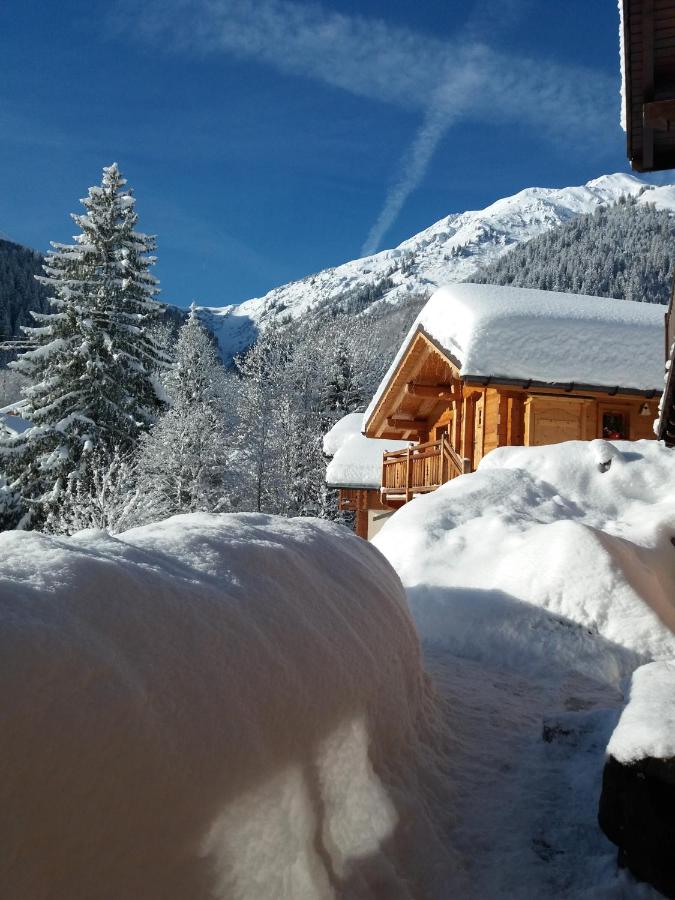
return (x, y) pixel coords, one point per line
(182, 464)
(104, 496)
(92, 364)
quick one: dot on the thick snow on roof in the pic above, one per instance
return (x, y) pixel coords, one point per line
(537, 584)
(522, 333)
(357, 460)
(647, 724)
(14, 424)
(179, 696)
(344, 428)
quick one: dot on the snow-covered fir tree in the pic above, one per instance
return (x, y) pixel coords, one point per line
(182, 464)
(93, 364)
(260, 433)
(294, 384)
(104, 496)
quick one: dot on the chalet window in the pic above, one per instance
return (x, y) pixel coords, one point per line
(614, 426)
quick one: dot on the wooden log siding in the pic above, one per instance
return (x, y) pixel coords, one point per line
(649, 65)
(420, 469)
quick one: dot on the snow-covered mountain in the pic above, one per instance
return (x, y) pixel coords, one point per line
(452, 249)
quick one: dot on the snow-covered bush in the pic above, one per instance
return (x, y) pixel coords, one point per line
(103, 495)
(215, 706)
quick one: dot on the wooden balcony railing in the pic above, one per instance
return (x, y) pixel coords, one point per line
(419, 469)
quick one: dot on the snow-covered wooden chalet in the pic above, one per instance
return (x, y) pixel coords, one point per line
(485, 366)
(648, 117)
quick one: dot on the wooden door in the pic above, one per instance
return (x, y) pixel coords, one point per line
(552, 420)
(478, 429)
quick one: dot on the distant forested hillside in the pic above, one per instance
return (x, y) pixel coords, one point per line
(19, 291)
(21, 294)
(623, 251)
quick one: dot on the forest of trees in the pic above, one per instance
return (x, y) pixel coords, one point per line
(20, 291)
(134, 420)
(624, 251)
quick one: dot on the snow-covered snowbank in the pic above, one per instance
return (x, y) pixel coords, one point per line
(537, 584)
(561, 551)
(214, 706)
(357, 460)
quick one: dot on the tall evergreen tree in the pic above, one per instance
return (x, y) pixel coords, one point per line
(93, 363)
(182, 464)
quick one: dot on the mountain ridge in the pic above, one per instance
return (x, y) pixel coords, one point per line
(451, 249)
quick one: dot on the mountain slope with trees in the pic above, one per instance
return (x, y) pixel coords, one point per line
(20, 291)
(626, 251)
(453, 249)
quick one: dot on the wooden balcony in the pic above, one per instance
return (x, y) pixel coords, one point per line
(419, 469)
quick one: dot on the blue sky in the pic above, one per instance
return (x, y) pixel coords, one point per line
(268, 139)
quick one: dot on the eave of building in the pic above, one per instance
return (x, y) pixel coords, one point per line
(407, 369)
(352, 487)
(649, 83)
(566, 386)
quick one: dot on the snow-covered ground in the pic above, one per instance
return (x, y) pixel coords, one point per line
(234, 707)
(222, 707)
(452, 249)
(538, 584)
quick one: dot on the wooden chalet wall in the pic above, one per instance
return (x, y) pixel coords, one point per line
(360, 501)
(536, 416)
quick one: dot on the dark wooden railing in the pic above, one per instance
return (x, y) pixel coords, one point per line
(419, 469)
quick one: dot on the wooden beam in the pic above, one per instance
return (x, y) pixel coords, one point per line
(435, 391)
(405, 424)
(659, 115)
(647, 79)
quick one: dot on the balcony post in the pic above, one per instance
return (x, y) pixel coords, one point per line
(408, 476)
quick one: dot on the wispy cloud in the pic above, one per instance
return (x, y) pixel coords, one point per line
(448, 104)
(446, 80)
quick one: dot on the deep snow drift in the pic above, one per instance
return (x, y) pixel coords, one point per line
(538, 584)
(215, 706)
(581, 530)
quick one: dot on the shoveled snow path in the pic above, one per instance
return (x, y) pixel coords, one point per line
(527, 770)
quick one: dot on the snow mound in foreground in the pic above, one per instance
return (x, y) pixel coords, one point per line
(647, 724)
(215, 706)
(546, 553)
